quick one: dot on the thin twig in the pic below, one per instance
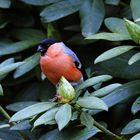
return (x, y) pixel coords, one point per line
(107, 132)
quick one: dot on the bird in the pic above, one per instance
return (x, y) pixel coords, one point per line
(58, 60)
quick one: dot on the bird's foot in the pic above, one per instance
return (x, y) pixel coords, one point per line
(56, 98)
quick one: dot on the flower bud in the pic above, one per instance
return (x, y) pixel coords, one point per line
(134, 30)
(66, 90)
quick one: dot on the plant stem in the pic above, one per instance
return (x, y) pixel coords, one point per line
(6, 115)
(107, 132)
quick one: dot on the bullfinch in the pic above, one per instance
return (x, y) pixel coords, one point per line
(58, 60)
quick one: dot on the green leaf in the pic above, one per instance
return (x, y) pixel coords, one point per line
(134, 58)
(74, 115)
(17, 106)
(5, 3)
(134, 4)
(116, 25)
(110, 36)
(86, 120)
(1, 90)
(131, 127)
(134, 30)
(105, 90)
(63, 116)
(4, 126)
(94, 80)
(6, 134)
(16, 47)
(51, 13)
(32, 110)
(118, 67)
(85, 134)
(121, 94)
(96, 7)
(24, 125)
(136, 137)
(136, 106)
(92, 103)
(113, 53)
(29, 64)
(50, 122)
(46, 117)
(40, 2)
(74, 134)
(112, 2)
(28, 34)
(4, 63)
(9, 68)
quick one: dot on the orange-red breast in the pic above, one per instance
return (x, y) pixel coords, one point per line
(58, 60)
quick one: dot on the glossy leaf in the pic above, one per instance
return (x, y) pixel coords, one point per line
(136, 106)
(135, 10)
(136, 137)
(131, 127)
(4, 63)
(46, 117)
(118, 67)
(5, 3)
(120, 94)
(30, 34)
(110, 36)
(39, 2)
(96, 7)
(63, 116)
(29, 64)
(94, 80)
(17, 106)
(74, 115)
(24, 125)
(16, 47)
(1, 90)
(86, 120)
(116, 25)
(51, 13)
(7, 62)
(92, 103)
(74, 134)
(9, 68)
(105, 90)
(113, 53)
(112, 2)
(4, 126)
(134, 58)
(6, 134)
(36, 109)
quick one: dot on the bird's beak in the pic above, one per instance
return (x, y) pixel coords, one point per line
(39, 49)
